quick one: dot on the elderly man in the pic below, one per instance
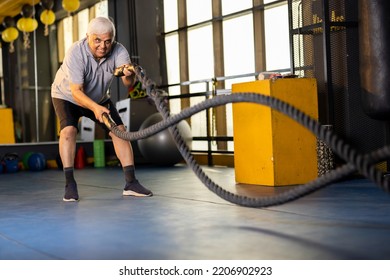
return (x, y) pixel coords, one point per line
(79, 89)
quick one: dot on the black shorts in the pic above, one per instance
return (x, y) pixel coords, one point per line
(69, 113)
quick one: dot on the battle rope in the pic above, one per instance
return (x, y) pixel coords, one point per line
(364, 164)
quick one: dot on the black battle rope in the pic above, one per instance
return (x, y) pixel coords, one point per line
(364, 164)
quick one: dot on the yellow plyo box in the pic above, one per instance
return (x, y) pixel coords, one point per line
(271, 149)
(7, 132)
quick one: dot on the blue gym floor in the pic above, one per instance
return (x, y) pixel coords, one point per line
(184, 220)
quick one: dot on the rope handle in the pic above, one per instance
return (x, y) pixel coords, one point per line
(108, 121)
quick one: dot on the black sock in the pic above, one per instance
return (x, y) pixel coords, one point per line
(69, 178)
(129, 171)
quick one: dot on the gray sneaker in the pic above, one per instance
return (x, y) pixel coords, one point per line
(136, 189)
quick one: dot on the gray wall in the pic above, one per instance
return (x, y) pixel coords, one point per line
(137, 29)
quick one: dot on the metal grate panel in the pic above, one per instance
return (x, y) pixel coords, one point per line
(331, 55)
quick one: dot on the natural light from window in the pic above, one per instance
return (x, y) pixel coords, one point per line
(238, 50)
(197, 12)
(201, 67)
(277, 38)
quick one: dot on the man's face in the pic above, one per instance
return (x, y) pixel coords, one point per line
(100, 45)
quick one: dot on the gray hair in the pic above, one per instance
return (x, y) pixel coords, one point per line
(101, 25)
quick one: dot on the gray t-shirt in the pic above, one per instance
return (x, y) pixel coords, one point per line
(80, 67)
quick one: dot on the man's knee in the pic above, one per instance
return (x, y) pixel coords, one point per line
(69, 132)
